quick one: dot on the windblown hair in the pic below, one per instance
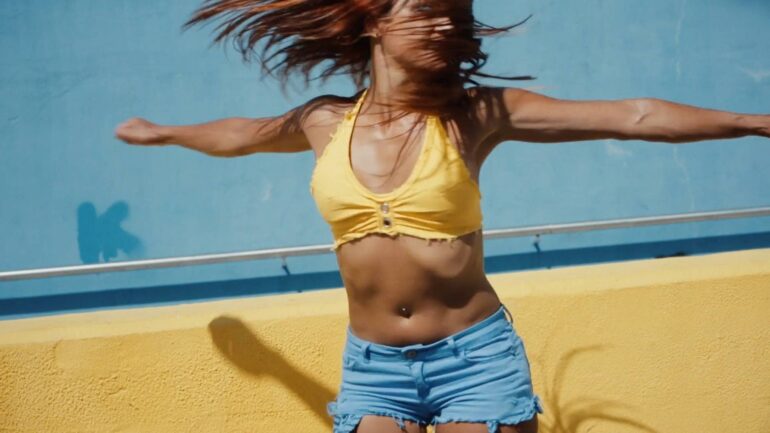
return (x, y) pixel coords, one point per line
(302, 35)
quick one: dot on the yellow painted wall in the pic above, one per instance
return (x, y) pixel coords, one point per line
(675, 345)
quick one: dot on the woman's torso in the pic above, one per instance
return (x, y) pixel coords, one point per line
(406, 290)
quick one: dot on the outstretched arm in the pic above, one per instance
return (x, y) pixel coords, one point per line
(229, 137)
(527, 116)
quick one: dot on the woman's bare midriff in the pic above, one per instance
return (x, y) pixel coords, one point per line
(406, 290)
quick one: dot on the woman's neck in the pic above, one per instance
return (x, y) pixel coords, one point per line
(399, 92)
(389, 84)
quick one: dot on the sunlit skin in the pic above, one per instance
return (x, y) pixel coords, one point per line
(407, 290)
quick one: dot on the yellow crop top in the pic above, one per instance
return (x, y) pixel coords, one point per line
(439, 200)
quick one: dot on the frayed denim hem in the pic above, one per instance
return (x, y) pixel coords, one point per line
(534, 406)
(345, 423)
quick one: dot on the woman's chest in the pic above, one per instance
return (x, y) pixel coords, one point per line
(383, 160)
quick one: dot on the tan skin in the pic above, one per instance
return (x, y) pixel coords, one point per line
(405, 290)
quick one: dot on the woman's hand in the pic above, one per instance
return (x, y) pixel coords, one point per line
(139, 131)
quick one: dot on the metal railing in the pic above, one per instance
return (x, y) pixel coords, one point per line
(283, 253)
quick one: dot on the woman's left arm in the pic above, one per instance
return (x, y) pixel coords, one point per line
(527, 116)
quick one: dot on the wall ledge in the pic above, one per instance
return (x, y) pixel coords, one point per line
(553, 282)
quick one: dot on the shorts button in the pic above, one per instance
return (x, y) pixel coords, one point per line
(410, 354)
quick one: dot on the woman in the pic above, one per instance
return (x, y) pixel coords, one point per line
(429, 341)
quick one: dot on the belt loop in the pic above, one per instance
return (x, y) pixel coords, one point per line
(453, 345)
(510, 316)
(365, 350)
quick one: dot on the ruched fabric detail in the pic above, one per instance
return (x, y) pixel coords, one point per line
(439, 200)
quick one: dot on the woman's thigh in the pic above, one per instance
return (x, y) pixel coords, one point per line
(384, 424)
(529, 426)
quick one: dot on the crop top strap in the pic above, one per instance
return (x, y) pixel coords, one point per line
(357, 108)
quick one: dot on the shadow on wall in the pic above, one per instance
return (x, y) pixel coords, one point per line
(244, 350)
(573, 415)
(584, 412)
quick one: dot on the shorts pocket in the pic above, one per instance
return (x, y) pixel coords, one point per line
(499, 347)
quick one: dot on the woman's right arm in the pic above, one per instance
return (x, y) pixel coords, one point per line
(229, 137)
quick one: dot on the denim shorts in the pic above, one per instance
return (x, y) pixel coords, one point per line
(480, 374)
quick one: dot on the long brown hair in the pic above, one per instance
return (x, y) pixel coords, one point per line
(303, 35)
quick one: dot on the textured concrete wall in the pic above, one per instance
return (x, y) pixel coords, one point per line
(671, 345)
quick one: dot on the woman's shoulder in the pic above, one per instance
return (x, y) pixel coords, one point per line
(319, 117)
(479, 104)
(326, 108)
(484, 99)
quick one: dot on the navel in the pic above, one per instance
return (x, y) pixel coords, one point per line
(405, 311)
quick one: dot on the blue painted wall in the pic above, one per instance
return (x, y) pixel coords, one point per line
(70, 193)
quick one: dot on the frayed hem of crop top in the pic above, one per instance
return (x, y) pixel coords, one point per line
(439, 200)
(434, 237)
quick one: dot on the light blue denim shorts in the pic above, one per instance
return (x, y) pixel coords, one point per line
(480, 374)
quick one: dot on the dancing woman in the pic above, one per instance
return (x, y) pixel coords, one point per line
(396, 177)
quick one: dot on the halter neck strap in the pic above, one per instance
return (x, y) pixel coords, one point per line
(359, 103)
